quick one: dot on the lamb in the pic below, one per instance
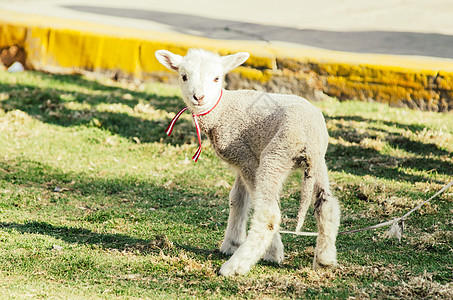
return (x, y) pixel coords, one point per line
(262, 137)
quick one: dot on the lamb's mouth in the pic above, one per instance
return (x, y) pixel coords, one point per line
(198, 104)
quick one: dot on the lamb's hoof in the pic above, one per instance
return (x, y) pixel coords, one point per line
(228, 247)
(275, 255)
(233, 267)
(324, 264)
(278, 259)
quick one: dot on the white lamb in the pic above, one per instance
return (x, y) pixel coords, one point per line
(263, 137)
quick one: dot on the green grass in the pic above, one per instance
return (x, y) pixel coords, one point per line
(97, 202)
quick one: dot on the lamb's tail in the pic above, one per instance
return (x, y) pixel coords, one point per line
(307, 196)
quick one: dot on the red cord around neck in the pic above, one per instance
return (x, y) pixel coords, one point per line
(197, 127)
(212, 108)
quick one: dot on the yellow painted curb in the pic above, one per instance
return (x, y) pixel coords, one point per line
(78, 45)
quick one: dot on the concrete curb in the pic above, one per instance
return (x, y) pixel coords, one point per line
(75, 46)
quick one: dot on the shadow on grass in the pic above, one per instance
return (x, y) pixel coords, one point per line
(362, 161)
(48, 105)
(359, 160)
(113, 242)
(70, 84)
(84, 236)
(147, 204)
(31, 174)
(395, 139)
(412, 127)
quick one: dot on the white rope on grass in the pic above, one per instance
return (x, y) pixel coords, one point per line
(397, 225)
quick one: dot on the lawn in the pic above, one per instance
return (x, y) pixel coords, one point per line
(97, 202)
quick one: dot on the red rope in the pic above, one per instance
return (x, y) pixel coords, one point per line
(197, 127)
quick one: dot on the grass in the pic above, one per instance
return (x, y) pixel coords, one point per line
(97, 202)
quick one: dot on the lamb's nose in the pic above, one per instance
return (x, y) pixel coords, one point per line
(198, 98)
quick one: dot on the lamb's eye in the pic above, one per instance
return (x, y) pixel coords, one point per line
(184, 77)
(216, 79)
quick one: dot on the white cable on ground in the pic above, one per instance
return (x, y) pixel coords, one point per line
(397, 224)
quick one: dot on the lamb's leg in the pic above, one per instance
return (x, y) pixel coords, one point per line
(265, 222)
(264, 225)
(327, 213)
(237, 221)
(306, 196)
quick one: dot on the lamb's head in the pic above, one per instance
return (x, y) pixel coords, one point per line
(201, 74)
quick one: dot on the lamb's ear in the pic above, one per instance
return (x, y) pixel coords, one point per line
(168, 59)
(235, 60)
